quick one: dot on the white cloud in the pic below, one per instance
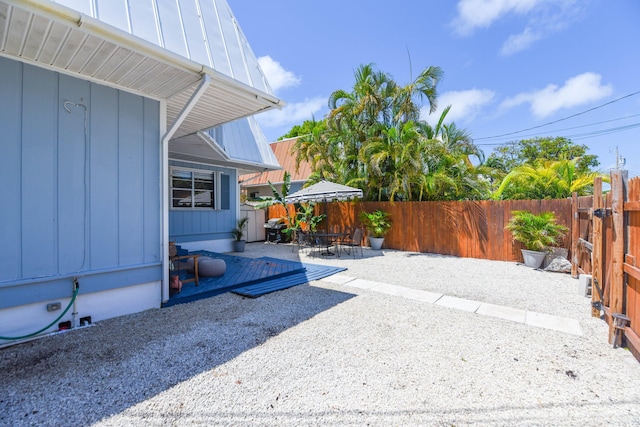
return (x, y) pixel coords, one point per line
(465, 104)
(473, 14)
(517, 42)
(579, 90)
(276, 75)
(293, 114)
(542, 18)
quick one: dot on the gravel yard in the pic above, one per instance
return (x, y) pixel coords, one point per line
(325, 353)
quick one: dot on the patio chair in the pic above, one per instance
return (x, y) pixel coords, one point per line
(179, 263)
(353, 242)
(301, 239)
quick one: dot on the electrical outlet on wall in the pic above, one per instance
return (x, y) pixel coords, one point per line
(53, 306)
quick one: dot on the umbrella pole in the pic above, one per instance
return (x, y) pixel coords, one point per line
(326, 218)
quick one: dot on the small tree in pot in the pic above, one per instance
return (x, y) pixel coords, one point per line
(238, 234)
(537, 233)
(377, 224)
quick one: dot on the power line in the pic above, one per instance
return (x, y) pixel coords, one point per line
(583, 135)
(555, 131)
(602, 132)
(560, 120)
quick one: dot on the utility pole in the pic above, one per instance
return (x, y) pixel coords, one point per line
(620, 161)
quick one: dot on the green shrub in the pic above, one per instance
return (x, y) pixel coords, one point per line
(536, 232)
(377, 223)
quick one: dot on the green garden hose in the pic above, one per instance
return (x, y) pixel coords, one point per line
(76, 287)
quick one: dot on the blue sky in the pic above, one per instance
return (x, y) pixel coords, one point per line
(509, 65)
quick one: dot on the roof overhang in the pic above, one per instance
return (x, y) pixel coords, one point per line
(201, 148)
(52, 36)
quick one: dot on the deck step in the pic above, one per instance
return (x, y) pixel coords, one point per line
(312, 272)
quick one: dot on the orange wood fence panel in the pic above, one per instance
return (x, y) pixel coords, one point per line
(597, 254)
(471, 229)
(632, 265)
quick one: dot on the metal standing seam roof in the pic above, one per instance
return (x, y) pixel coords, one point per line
(156, 48)
(218, 146)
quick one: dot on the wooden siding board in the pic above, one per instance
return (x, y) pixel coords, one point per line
(130, 179)
(72, 173)
(39, 193)
(104, 197)
(152, 182)
(11, 169)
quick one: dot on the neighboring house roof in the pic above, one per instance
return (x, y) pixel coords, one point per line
(195, 58)
(282, 151)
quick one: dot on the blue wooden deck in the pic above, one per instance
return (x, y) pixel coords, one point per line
(311, 272)
(250, 277)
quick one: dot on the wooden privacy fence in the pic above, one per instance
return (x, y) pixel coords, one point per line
(471, 229)
(606, 239)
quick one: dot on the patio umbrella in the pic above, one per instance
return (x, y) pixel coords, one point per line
(324, 191)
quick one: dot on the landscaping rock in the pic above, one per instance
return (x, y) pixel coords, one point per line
(559, 265)
(555, 253)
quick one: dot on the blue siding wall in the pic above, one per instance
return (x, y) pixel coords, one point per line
(10, 168)
(81, 188)
(204, 224)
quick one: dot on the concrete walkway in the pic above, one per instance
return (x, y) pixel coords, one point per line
(531, 318)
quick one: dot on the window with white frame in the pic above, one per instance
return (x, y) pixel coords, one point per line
(199, 189)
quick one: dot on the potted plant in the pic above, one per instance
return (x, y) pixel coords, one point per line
(377, 224)
(306, 215)
(238, 234)
(538, 233)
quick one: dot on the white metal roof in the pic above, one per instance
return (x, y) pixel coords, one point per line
(205, 31)
(157, 48)
(219, 146)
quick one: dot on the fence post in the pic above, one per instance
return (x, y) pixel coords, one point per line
(596, 253)
(617, 259)
(575, 234)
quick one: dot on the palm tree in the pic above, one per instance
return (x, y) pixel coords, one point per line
(458, 141)
(278, 196)
(547, 180)
(394, 161)
(378, 119)
(409, 98)
(375, 141)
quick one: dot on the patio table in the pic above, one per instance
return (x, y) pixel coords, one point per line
(327, 240)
